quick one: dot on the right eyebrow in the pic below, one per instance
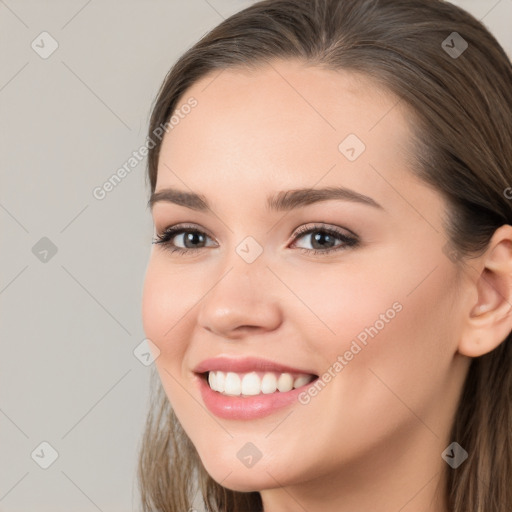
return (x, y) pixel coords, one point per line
(180, 197)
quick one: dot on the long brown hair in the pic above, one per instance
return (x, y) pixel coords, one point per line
(461, 107)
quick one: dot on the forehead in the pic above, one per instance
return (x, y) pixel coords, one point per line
(286, 125)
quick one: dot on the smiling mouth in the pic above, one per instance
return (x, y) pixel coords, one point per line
(255, 383)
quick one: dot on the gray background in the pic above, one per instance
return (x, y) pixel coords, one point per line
(70, 323)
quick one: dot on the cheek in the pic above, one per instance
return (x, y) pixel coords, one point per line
(400, 326)
(156, 298)
(167, 301)
(338, 305)
(406, 331)
(159, 304)
(165, 323)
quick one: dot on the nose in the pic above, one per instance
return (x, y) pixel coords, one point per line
(242, 300)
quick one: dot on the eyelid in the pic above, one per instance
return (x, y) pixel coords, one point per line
(185, 227)
(311, 226)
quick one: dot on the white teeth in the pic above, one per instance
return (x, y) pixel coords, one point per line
(285, 382)
(268, 383)
(220, 380)
(297, 383)
(212, 380)
(251, 384)
(254, 383)
(232, 384)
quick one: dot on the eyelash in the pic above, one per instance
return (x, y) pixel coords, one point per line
(169, 233)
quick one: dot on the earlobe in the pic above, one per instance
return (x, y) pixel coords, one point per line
(489, 321)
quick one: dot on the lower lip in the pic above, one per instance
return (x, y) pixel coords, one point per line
(246, 407)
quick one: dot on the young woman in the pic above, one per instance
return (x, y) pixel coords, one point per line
(329, 292)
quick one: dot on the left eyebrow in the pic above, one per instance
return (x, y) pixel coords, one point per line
(291, 199)
(282, 201)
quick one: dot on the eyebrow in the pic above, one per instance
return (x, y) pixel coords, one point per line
(282, 201)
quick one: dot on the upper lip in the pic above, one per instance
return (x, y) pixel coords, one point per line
(246, 364)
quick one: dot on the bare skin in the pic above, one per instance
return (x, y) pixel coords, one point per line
(372, 438)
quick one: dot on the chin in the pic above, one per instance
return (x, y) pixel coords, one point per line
(244, 481)
(236, 477)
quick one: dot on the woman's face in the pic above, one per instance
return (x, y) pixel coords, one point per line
(278, 288)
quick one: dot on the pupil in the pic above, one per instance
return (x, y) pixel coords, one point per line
(319, 236)
(193, 238)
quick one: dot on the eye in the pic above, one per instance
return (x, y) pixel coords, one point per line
(191, 238)
(325, 240)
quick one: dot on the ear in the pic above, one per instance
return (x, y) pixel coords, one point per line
(489, 321)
